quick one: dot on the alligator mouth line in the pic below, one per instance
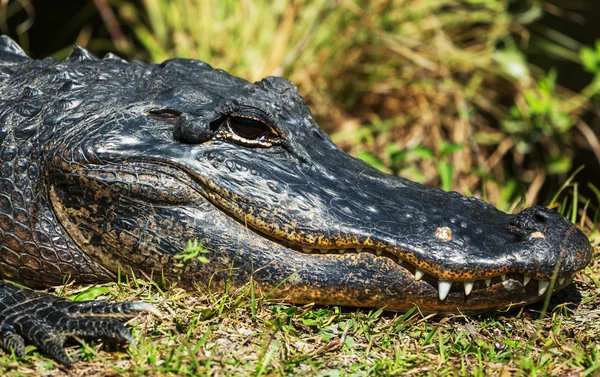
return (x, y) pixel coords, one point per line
(476, 280)
(443, 287)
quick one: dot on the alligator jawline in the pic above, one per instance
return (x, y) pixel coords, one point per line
(443, 287)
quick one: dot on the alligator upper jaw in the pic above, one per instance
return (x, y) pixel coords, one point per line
(341, 203)
(524, 258)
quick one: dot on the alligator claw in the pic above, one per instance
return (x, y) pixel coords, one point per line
(46, 321)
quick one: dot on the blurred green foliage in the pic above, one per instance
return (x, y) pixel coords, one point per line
(590, 59)
(538, 119)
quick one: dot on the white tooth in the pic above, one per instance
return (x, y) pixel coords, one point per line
(468, 287)
(323, 251)
(306, 250)
(542, 287)
(526, 280)
(419, 274)
(359, 249)
(378, 252)
(342, 251)
(561, 280)
(503, 276)
(400, 261)
(443, 289)
(488, 282)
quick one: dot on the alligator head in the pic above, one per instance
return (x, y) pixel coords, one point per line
(141, 158)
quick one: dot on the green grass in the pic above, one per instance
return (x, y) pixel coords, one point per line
(226, 334)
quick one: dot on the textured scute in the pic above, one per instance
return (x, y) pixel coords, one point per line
(10, 50)
(80, 54)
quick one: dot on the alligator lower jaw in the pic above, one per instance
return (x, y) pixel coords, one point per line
(444, 287)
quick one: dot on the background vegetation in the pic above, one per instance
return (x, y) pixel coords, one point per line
(477, 96)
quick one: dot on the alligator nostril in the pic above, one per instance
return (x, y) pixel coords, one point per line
(534, 219)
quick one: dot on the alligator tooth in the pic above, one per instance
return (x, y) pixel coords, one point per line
(488, 282)
(342, 251)
(503, 276)
(306, 250)
(561, 280)
(526, 280)
(419, 274)
(468, 287)
(443, 289)
(323, 251)
(542, 287)
(378, 252)
(400, 261)
(359, 249)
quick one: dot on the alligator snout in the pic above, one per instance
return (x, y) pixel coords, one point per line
(539, 219)
(556, 247)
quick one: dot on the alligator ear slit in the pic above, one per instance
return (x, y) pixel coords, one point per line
(216, 124)
(165, 115)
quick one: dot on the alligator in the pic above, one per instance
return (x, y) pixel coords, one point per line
(109, 167)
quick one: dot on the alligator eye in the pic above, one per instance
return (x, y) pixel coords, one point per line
(251, 131)
(165, 115)
(248, 128)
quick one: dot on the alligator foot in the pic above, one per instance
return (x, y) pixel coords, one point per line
(46, 321)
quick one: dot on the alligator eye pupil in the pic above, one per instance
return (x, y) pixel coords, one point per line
(248, 128)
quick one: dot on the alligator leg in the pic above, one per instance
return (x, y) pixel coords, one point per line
(45, 321)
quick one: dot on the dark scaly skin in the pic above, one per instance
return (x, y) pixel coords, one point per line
(110, 166)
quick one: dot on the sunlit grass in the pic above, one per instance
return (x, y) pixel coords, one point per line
(222, 334)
